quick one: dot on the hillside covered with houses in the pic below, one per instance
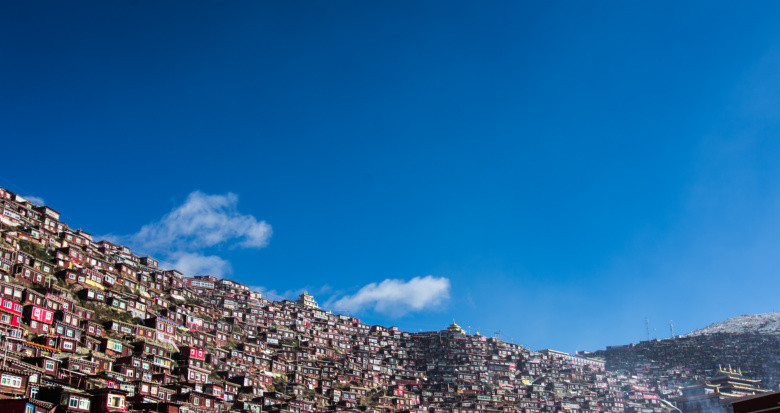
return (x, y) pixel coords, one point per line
(88, 326)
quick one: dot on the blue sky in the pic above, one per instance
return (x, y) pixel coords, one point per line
(558, 171)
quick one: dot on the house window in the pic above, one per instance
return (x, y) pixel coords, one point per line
(67, 345)
(84, 404)
(116, 401)
(11, 381)
(73, 402)
(49, 365)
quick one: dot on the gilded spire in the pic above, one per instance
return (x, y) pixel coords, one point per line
(455, 327)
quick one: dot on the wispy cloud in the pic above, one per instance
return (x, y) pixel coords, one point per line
(195, 263)
(275, 295)
(34, 199)
(396, 297)
(203, 221)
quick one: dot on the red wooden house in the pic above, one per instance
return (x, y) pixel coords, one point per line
(39, 318)
(10, 312)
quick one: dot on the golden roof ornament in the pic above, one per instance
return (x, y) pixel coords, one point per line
(455, 327)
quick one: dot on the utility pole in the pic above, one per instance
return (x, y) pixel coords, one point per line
(671, 327)
(647, 327)
(4, 336)
(498, 335)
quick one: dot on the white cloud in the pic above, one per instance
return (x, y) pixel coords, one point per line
(397, 297)
(198, 264)
(34, 199)
(202, 221)
(275, 295)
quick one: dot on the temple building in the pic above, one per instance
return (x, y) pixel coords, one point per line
(715, 394)
(455, 328)
(306, 300)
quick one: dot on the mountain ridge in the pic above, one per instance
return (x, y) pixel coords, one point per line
(119, 320)
(768, 323)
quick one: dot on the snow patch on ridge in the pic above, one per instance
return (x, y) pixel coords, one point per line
(748, 323)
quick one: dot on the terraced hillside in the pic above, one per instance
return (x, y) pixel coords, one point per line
(90, 326)
(674, 362)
